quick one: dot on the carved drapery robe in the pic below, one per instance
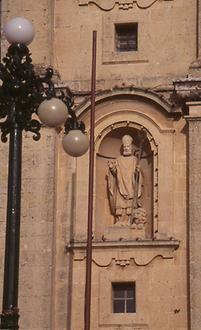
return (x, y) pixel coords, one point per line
(124, 192)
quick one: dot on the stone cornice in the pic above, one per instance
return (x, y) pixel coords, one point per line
(186, 90)
(125, 244)
(161, 95)
(148, 94)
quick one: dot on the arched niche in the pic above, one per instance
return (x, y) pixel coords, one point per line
(127, 113)
(110, 147)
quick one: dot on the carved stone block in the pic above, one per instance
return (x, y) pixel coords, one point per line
(121, 233)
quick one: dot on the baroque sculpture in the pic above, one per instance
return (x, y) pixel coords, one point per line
(125, 187)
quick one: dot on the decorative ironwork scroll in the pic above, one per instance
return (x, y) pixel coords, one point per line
(22, 90)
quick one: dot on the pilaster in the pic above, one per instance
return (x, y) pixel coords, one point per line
(194, 207)
(199, 28)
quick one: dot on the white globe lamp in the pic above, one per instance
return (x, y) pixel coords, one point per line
(19, 30)
(52, 112)
(75, 143)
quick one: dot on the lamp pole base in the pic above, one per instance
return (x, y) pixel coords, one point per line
(9, 319)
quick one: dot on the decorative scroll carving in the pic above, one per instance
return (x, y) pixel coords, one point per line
(122, 262)
(141, 262)
(107, 5)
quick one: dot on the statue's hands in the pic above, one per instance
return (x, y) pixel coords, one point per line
(112, 165)
(138, 168)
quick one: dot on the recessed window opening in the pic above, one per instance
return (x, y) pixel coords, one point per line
(126, 37)
(124, 297)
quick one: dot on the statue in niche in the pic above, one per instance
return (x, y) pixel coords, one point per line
(125, 186)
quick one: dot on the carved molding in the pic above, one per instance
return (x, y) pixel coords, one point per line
(170, 243)
(132, 261)
(131, 253)
(139, 261)
(107, 5)
(130, 91)
(187, 90)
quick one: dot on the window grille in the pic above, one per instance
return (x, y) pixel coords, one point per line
(126, 36)
(124, 297)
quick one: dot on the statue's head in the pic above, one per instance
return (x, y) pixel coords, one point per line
(128, 147)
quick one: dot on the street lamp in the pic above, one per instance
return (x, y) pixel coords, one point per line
(24, 95)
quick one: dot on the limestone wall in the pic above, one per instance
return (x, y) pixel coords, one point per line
(167, 42)
(54, 196)
(157, 264)
(41, 17)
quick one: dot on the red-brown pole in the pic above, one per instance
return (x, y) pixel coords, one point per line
(87, 307)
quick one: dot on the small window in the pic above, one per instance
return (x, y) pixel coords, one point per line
(126, 37)
(124, 297)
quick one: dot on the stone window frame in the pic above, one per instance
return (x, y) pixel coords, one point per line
(109, 53)
(106, 315)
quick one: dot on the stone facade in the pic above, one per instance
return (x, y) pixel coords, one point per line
(145, 89)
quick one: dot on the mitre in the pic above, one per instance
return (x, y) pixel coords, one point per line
(127, 139)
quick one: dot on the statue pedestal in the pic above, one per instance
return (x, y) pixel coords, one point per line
(117, 233)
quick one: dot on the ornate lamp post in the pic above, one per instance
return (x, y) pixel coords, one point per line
(23, 96)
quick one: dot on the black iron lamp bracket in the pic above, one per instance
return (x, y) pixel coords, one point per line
(22, 91)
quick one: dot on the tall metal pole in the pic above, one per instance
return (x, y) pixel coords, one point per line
(10, 315)
(87, 307)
